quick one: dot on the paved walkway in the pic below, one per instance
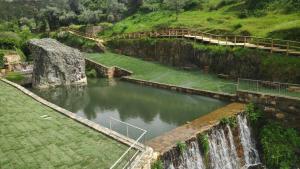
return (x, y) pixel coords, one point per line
(168, 140)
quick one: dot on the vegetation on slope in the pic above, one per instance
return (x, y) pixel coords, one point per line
(223, 18)
(279, 144)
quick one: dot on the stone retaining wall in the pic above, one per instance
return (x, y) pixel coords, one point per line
(220, 96)
(285, 109)
(107, 72)
(145, 158)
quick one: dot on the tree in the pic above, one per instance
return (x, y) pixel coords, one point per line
(51, 15)
(175, 5)
(91, 17)
(115, 10)
(75, 6)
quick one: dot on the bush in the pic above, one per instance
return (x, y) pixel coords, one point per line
(182, 147)
(204, 141)
(231, 121)
(9, 40)
(157, 165)
(14, 77)
(253, 113)
(279, 146)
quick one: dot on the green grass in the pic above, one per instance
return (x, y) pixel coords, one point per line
(156, 72)
(224, 20)
(30, 141)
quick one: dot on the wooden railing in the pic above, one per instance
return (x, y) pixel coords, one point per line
(83, 34)
(272, 45)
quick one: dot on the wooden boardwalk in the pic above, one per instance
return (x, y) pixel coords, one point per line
(168, 140)
(268, 44)
(272, 45)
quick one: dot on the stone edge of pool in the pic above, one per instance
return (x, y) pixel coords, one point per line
(124, 74)
(145, 158)
(168, 140)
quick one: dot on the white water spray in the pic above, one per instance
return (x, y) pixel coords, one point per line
(250, 153)
(222, 153)
(191, 158)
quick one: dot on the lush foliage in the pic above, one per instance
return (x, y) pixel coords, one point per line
(14, 77)
(279, 146)
(157, 165)
(182, 147)
(91, 73)
(76, 41)
(231, 121)
(253, 113)
(204, 141)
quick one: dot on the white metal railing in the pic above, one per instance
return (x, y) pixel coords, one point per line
(268, 87)
(135, 146)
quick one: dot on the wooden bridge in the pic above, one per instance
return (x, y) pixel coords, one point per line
(272, 45)
(269, 44)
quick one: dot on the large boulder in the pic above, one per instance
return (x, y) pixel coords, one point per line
(56, 64)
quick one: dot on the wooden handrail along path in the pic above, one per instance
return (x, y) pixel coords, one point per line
(86, 36)
(269, 44)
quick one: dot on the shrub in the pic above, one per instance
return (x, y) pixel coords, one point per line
(91, 73)
(182, 147)
(9, 40)
(204, 141)
(231, 121)
(253, 113)
(237, 26)
(157, 165)
(14, 77)
(279, 146)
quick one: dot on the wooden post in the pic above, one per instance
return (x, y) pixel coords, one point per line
(235, 40)
(226, 40)
(245, 40)
(272, 45)
(288, 48)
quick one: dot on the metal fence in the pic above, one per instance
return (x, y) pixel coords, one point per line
(137, 137)
(268, 87)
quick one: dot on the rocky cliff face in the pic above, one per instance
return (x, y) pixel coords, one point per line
(56, 64)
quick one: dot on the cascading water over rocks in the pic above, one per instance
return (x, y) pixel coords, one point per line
(223, 150)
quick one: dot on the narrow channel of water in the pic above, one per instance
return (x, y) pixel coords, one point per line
(155, 110)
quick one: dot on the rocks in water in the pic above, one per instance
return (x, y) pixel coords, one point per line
(56, 64)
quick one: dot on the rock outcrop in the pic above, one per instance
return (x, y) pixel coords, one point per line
(56, 64)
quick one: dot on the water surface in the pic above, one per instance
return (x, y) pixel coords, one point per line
(154, 110)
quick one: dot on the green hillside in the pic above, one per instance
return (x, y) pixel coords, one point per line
(234, 18)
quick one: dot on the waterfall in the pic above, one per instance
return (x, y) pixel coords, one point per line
(235, 159)
(250, 153)
(223, 154)
(222, 150)
(190, 159)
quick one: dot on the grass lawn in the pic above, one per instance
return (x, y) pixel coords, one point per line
(156, 72)
(30, 141)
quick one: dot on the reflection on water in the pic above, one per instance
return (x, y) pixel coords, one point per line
(152, 109)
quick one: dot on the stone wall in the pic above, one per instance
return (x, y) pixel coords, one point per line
(284, 109)
(220, 96)
(235, 62)
(107, 72)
